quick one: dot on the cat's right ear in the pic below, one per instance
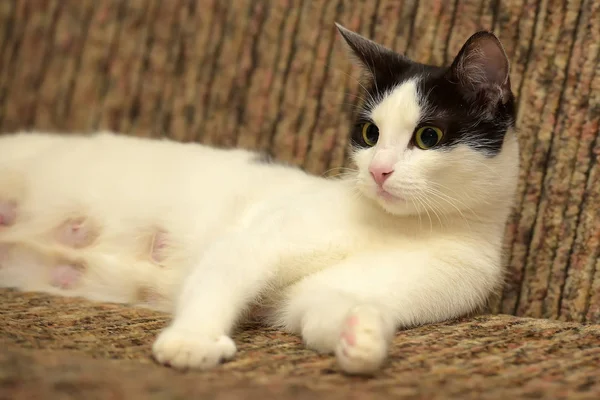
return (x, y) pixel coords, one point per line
(373, 57)
(482, 67)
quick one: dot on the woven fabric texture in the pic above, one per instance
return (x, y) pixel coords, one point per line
(273, 75)
(91, 350)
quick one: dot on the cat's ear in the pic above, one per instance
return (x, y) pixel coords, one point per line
(482, 68)
(375, 58)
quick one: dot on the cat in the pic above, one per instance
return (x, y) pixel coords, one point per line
(411, 235)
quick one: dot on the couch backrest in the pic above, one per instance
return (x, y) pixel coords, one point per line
(273, 75)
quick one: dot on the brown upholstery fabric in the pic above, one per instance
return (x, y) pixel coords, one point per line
(273, 75)
(90, 350)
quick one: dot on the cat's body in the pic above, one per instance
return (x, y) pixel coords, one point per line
(207, 233)
(129, 191)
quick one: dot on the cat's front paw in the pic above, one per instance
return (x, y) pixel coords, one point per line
(183, 349)
(363, 344)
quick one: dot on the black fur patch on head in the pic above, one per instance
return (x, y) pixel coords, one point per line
(470, 101)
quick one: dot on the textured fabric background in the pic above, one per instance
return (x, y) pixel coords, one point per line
(91, 350)
(273, 75)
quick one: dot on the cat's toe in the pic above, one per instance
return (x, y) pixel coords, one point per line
(363, 344)
(183, 349)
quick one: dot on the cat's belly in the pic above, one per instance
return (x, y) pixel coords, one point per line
(118, 218)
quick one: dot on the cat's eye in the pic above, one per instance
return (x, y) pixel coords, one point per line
(428, 137)
(370, 134)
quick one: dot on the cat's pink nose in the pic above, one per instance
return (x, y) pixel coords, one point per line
(380, 173)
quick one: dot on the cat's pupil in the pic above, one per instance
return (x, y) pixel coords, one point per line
(372, 133)
(429, 137)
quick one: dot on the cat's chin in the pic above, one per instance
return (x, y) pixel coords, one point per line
(389, 197)
(396, 207)
(391, 203)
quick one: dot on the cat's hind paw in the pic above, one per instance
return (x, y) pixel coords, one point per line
(188, 350)
(363, 343)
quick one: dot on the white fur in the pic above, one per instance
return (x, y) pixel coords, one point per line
(328, 259)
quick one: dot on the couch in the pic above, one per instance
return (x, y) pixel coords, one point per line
(273, 75)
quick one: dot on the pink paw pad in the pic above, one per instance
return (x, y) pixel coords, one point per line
(66, 276)
(8, 212)
(363, 344)
(349, 337)
(158, 246)
(76, 232)
(348, 332)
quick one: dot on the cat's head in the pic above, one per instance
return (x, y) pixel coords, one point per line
(435, 139)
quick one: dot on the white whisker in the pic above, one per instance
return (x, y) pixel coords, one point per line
(448, 200)
(419, 200)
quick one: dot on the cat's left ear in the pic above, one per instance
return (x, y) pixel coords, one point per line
(375, 58)
(482, 68)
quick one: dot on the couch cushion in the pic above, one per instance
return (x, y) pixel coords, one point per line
(55, 347)
(59, 347)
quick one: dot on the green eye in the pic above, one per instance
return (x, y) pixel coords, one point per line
(428, 137)
(370, 134)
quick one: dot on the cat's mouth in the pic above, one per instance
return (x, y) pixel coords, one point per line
(385, 195)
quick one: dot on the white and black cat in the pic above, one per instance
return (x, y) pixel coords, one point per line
(413, 235)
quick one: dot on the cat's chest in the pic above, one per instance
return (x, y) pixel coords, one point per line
(311, 231)
(319, 214)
